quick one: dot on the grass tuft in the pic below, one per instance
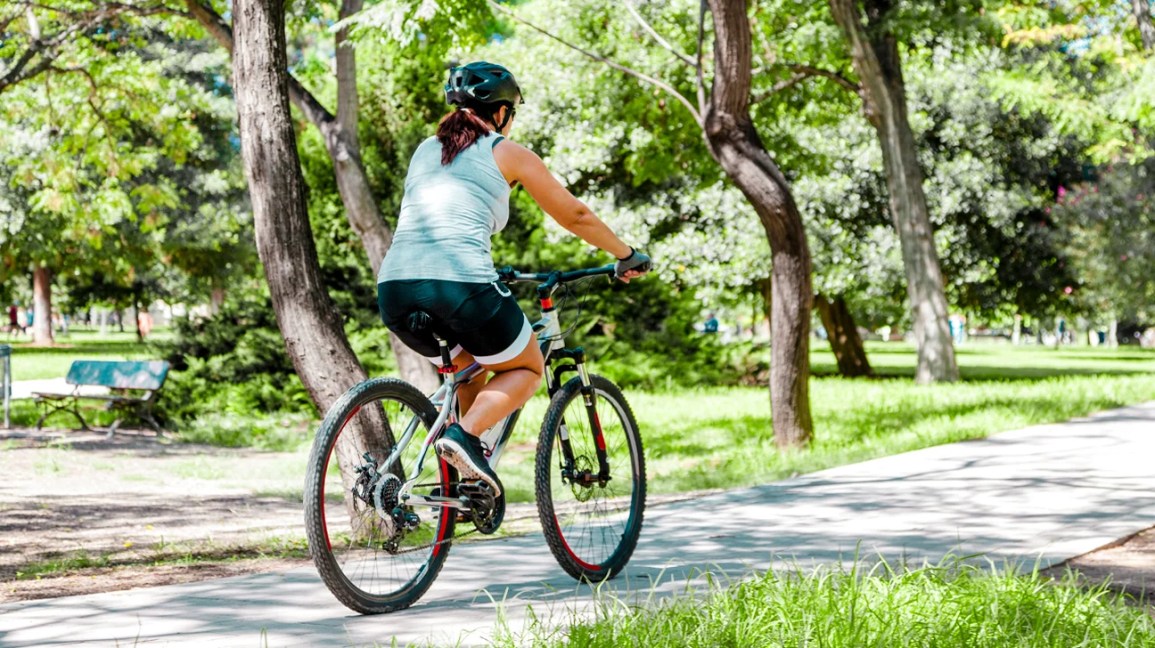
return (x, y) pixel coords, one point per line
(952, 604)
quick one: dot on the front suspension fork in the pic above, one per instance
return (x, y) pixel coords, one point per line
(589, 397)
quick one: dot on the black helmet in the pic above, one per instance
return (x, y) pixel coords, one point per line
(481, 84)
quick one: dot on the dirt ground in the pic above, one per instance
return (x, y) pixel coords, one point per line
(81, 513)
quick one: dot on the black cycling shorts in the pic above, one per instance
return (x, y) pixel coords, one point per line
(481, 318)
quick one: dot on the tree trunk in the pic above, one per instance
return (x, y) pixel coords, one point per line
(216, 300)
(1142, 11)
(733, 141)
(842, 332)
(340, 136)
(879, 68)
(311, 327)
(42, 306)
(1113, 334)
(136, 314)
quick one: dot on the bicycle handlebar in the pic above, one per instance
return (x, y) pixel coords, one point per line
(552, 279)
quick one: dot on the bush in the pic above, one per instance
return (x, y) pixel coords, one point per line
(233, 362)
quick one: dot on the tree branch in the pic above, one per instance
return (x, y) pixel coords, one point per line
(601, 59)
(654, 33)
(698, 64)
(810, 70)
(803, 72)
(45, 46)
(779, 87)
(223, 33)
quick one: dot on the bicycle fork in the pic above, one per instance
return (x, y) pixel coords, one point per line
(589, 398)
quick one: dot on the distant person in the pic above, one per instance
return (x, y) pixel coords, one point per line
(711, 325)
(144, 323)
(14, 325)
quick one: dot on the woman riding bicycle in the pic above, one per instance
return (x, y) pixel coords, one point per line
(456, 197)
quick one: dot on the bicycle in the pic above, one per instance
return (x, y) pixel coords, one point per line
(380, 518)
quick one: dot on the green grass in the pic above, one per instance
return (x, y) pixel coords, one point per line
(35, 363)
(952, 605)
(714, 438)
(721, 437)
(999, 361)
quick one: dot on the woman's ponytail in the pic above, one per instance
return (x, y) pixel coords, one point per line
(458, 131)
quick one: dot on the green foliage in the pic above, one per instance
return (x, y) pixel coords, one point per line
(117, 166)
(952, 604)
(231, 363)
(1110, 228)
(1085, 71)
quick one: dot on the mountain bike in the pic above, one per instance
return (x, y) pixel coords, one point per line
(382, 509)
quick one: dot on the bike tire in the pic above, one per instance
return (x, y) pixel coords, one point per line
(592, 529)
(357, 552)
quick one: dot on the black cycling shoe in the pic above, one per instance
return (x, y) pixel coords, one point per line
(464, 452)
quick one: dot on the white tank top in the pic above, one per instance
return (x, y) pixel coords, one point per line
(448, 215)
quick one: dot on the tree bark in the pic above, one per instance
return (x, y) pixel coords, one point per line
(843, 335)
(1142, 11)
(874, 52)
(42, 306)
(341, 143)
(311, 327)
(733, 141)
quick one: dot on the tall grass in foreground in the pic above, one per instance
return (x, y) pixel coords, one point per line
(953, 605)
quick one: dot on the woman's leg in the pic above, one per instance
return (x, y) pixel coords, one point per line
(513, 383)
(467, 392)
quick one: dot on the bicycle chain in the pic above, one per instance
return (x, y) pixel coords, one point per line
(458, 536)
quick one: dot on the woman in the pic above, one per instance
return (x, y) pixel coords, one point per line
(456, 198)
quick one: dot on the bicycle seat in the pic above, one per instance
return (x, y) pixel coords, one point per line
(419, 321)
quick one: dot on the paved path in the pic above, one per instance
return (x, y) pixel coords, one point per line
(1045, 493)
(25, 388)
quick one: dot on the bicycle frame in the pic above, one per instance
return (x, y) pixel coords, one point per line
(552, 343)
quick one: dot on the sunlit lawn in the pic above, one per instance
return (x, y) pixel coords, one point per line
(34, 363)
(718, 437)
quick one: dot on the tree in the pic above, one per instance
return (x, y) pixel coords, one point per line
(874, 52)
(735, 143)
(721, 113)
(1142, 11)
(310, 326)
(341, 142)
(103, 110)
(1110, 238)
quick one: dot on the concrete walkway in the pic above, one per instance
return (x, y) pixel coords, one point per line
(1044, 494)
(25, 388)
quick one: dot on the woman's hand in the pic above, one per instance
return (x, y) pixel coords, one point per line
(635, 265)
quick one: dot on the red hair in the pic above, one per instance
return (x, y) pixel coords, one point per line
(458, 131)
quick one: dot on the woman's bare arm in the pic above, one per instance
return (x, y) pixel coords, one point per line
(519, 164)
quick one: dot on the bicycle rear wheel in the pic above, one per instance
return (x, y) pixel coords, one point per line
(591, 523)
(374, 553)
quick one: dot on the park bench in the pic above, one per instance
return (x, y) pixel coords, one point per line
(133, 388)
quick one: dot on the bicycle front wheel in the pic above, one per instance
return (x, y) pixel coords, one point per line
(375, 553)
(590, 509)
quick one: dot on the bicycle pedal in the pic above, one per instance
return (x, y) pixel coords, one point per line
(493, 518)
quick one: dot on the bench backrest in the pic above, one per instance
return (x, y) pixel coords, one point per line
(125, 374)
